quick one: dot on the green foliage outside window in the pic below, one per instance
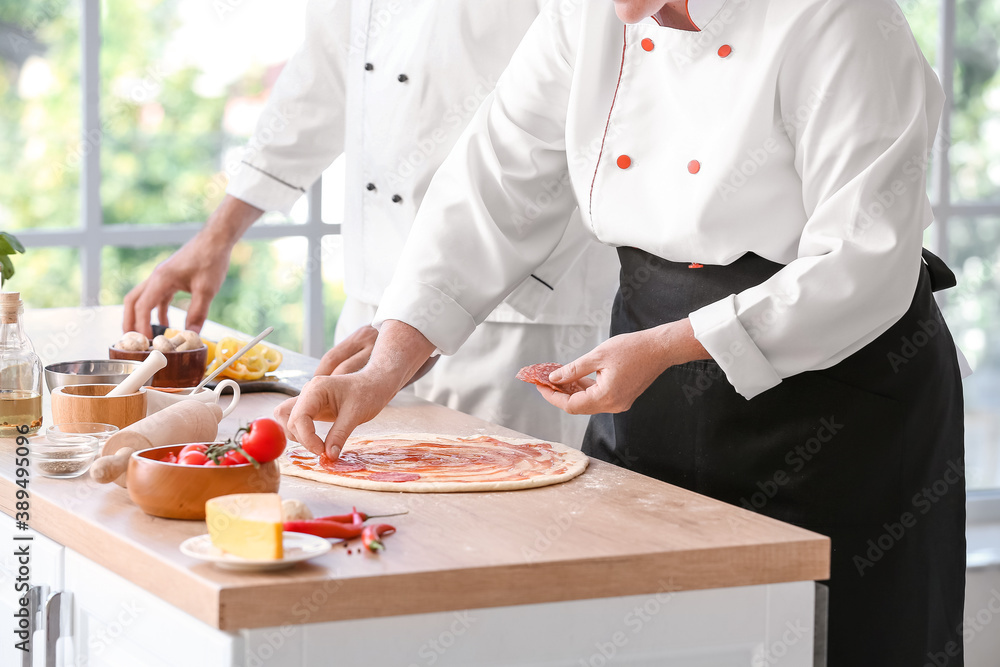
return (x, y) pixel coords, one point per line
(163, 143)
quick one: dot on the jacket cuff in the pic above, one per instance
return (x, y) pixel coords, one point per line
(719, 330)
(428, 310)
(259, 188)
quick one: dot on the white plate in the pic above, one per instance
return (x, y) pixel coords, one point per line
(297, 547)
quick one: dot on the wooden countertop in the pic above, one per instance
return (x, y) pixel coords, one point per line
(609, 532)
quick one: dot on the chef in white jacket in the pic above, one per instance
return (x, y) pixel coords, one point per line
(392, 85)
(760, 165)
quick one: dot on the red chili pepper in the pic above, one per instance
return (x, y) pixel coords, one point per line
(342, 518)
(371, 534)
(356, 517)
(349, 518)
(322, 528)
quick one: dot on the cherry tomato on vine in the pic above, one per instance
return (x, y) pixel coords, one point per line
(264, 440)
(193, 458)
(233, 458)
(192, 448)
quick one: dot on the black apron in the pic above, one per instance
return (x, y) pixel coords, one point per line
(868, 452)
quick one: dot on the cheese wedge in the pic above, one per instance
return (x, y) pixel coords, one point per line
(246, 525)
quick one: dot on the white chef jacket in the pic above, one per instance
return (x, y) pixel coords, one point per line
(795, 129)
(393, 83)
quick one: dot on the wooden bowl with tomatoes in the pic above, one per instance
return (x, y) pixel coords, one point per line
(174, 481)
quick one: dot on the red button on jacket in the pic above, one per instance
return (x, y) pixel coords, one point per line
(624, 162)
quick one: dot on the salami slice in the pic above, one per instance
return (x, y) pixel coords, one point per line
(539, 374)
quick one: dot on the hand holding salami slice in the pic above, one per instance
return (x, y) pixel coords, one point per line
(623, 366)
(539, 375)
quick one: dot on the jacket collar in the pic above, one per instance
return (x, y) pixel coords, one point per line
(701, 12)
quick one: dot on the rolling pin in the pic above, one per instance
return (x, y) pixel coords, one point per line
(181, 423)
(112, 468)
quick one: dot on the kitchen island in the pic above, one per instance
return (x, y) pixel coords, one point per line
(609, 568)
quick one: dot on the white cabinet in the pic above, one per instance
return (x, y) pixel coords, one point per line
(731, 627)
(118, 624)
(45, 561)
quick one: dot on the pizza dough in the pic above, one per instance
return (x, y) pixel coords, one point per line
(539, 374)
(424, 463)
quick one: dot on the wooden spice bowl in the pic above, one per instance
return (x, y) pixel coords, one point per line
(184, 368)
(88, 404)
(175, 491)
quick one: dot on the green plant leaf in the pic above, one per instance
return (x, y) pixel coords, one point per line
(9, 244)
(6, 269)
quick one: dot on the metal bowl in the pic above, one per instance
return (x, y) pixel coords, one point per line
(97, 371)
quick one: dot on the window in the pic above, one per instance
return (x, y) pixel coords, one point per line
(40, 127)
(180, 84)
(966, 193)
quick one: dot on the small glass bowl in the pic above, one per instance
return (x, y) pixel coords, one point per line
(64, 456)
(102, 432)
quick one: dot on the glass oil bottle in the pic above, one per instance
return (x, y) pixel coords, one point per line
(20, 372)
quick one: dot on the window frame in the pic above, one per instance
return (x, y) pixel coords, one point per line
(983, 504)
(93, 235)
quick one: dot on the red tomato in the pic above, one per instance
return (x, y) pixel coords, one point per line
(233, 458)
(192, 448)
(170, 458)
(193, 458)
(264, 440)
(209, 463)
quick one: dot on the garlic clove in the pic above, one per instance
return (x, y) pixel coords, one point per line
(295, 510)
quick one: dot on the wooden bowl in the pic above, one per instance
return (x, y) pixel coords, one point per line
(183, 369)
(88, 404)
(176, 491)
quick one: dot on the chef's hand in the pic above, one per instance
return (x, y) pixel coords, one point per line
(355, 398)
(198, 268)
(625, 366)
(352, 353)
(346, 400)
